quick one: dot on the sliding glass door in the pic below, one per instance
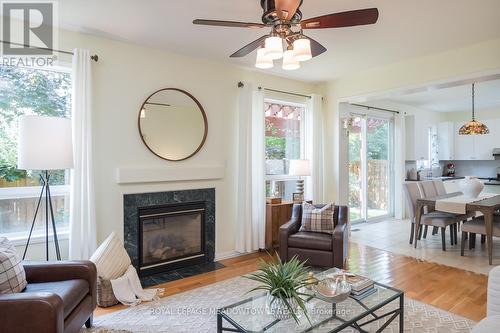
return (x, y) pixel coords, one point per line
(371, 181)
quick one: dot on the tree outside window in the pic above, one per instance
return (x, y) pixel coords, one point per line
(29, 91)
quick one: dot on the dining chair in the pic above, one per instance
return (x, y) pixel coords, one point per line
(474, 227)
(439, 185)
(413, 191)
(428, 188)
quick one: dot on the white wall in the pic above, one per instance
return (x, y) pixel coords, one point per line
(472, 61)
(122, 79)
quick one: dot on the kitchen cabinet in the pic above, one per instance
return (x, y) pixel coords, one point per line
(446, 136)
(477, 147)
(452, 186)
(417, 138)
(484, 144)
(463, 145)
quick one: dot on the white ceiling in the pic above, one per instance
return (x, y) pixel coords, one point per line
(406, 29)
(455, 99)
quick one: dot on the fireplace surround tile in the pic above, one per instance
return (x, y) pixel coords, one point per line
(132, 203)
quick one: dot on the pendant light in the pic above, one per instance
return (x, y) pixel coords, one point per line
(473, 127)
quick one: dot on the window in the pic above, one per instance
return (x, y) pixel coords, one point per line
(29, 91)
(284, 142)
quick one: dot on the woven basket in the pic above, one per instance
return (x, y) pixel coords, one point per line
(105, 295)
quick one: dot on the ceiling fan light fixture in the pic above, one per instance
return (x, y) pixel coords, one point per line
(289, 62)
(302, 49)
(274, 47)
(263, 61)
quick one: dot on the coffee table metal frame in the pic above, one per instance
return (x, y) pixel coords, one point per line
(221, 315)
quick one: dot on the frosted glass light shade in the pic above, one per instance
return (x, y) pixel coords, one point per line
(300, 168)
(289, 63)
(302, 49)
(274, 47)
(44, 143)
(263, 62)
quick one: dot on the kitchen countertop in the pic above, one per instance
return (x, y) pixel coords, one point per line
(486, 180)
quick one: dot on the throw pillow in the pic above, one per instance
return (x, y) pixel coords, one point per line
(111, 258)
(12, 275)
(317, 219)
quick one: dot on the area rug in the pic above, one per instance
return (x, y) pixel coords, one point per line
(195, 311)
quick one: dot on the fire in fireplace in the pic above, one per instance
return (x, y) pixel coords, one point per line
(171, 236)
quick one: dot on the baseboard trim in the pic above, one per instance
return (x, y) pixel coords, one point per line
(229, 255)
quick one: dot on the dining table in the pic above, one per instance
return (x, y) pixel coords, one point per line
(487, 207)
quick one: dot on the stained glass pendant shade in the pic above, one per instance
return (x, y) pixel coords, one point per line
(473, 127)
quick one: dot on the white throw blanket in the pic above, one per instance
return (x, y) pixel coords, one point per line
(457, 205)
(128, 289)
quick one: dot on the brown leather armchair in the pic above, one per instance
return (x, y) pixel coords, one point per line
(60, 297)
(319, 249)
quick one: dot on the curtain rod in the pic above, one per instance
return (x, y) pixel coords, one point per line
(374, 107)
(241, 84)
(94, 57)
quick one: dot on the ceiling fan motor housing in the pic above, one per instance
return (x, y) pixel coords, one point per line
(270, 15)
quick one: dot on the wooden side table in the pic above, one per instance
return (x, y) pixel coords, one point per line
(276, 216)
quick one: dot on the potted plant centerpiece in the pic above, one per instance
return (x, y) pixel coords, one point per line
(283, 282)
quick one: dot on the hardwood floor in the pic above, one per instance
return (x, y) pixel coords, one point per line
(448, 288)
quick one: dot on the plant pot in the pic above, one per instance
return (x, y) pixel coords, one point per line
(471, 187)
(278, 308)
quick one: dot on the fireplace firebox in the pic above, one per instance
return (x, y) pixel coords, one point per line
(171, 236)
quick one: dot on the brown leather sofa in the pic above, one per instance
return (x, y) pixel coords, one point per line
(60, 297)
(319, 249)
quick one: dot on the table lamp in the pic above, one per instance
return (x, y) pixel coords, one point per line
(45, 144)
(300, 168)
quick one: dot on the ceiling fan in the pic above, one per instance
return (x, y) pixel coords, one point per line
(284, 18)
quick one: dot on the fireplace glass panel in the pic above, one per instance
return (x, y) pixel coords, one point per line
(171, 237)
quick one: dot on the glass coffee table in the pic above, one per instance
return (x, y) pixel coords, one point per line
(251, 314)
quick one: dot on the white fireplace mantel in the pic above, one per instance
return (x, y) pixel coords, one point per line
(131, 175)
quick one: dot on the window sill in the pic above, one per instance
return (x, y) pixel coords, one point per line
(20, 240)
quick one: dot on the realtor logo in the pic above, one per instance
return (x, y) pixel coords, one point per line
(28, 29)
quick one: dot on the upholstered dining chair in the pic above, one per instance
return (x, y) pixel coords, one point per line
(413, 191)
(477, 226)
(428, 188)
(439, 185)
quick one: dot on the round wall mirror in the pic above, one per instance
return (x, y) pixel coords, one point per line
(172, 124)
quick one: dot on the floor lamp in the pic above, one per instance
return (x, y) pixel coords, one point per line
(45, 144)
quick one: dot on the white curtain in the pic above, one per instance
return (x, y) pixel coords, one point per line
(314, 146)
(399, 164)
(82, 240)
(251, 196)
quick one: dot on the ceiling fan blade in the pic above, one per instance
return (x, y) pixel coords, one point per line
(249, 47)
(233, 24)
(286, 8)
(343, 19)
(316, 48)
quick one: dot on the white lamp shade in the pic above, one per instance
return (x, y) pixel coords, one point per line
(289, 63)
(300, 168)
(263, 62)
(44, 143)
(302, 49)
(274, 47)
